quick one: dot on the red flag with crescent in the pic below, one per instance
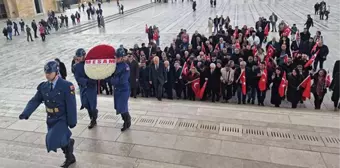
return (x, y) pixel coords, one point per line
(266, 30)
(202, 90)
(283, 85)
(244, 84)
(195, 85)
(311, 60)
(263, 81)
(185, 69)
(306, 84)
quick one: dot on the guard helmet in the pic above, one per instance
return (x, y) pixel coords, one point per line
(51, 66)
(80, 52)
(120, 52)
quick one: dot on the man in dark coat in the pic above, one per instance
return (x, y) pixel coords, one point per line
(305, 35)
(134, 75)
(62, 68)
(322, 55)
(35, 28)
(157, 76)
(144, 79)
(170, 79)
(309, 23)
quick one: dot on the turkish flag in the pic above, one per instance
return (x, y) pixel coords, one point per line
(266, 30)
(247, 32)
(270, 51)
(243, 82)
(195, 85)
(306, 84)
(185, 69)
(285, 58)
(328, 80)
(314, 47)
(208, 58)
(254, 50)
(202, 90)
(192, 65)
(217, 47)
(311, 60)
(283, 85)
(297, 35)
(263, 81)
(286, 31)
(235, 33)
(203, 48)
(237, 45)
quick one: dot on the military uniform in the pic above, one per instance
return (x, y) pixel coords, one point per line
(120, 82)
(60, 102)
(88, 90)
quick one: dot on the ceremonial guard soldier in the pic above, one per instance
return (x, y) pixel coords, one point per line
(88, 88)
(60, 102)
(120, 82)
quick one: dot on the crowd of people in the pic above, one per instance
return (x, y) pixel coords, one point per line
(53, 22)
(322, 10)
(239, 62)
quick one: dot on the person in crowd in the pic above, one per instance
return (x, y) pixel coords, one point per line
(42, 32)
(15, 27)
(35, 28)
(5, 32)
(335, 85)
(192, 76)
(316, 8)
(273, 19)
(22, 25)
(239, 82)
(134, 74)
(321, 56)
(276, 82)
(28, 33)
(227, 80)
(309, 23)
(294, 92)
(169, 84)
(157, 77)
(62, 68)
(144, 79)
(319, 88)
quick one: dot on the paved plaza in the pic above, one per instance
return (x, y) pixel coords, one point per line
(171, 133)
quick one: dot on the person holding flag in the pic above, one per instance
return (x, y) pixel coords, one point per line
(262, 84)
(319, 88)
(321, 56)
(294, 92)
(240, 79)
(193, 84)
(278, 87)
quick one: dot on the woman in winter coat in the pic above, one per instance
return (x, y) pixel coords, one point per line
(276, 80)
(293, 93)
(319, 87)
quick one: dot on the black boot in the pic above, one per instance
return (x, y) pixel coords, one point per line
(125, 123)
(93, 117)
(68, 151)
(128, 120)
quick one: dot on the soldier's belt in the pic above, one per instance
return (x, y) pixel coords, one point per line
(52, 110)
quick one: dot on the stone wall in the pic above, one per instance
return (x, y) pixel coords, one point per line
(11, 8)
(25, 8)
(49, 5)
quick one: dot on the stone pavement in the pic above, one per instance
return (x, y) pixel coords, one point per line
(168, 134)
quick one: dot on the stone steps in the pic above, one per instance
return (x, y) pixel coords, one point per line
(93, 24)
(14, 154)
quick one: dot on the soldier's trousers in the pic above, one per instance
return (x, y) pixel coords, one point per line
(93, 114)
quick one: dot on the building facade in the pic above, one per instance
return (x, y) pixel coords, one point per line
(26, 8)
